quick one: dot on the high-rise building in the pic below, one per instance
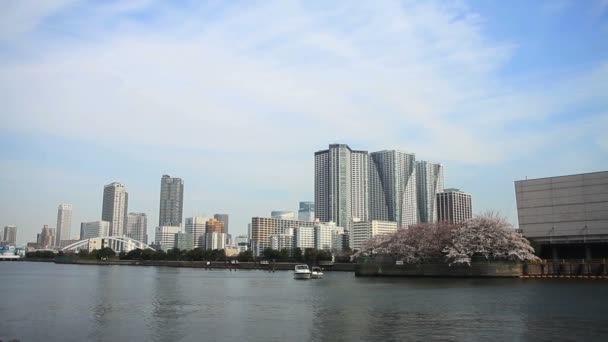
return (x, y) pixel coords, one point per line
(165, 236)
(325, 236)
(46, 238)
(283, 241)
(283, 214)
(64, 223)
(137, 227)
(304, 237)
(262, 228)
(9, 237)
(225, 219)
(429, 182)
(365, 230)
(242, 243)
(94, 229)
(215, 240)
(306, 211)
(171, 201)
(454, 206)
(184, 241)
(341, 185)
(197, 226)
(115, 206)
(393, 187)
(214, 226)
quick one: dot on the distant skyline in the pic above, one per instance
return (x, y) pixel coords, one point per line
(100, 92)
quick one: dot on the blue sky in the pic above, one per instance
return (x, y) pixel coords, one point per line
(235, 97)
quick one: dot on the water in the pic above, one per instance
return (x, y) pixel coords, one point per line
(49, 302)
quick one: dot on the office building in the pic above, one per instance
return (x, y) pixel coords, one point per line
(362, 231)
(215, 240)
(137, 227)
(9, 236)
(393, 187)
(565, 216)
(171, 201)
(454, 206)
(115, 206)
(197, 226)
(242, 243)
(341, 185)
(165, 236)
(184, 241)
(214, 226)
(306, 211)
(325, 236)
(429, 182)
(225, 219)
(283, 241)
(304, 237)
(64, 223)
(262, 228)
(283, 214)
(94, 229)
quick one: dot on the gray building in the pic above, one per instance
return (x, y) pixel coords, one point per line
(341, 185)
(171, 201)
(9, 236)
(115, 205)
(197, 226)
(566, 216)
(429, 182)
(184, 241)
(64, 223)
(306, 211)
(283, 214)
(392, 187)
(454, 206)
(94, 229)
(137, 227)
(223, 218)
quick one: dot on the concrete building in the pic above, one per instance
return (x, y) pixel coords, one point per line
(566, 216)
(306, 211)
(262, 228)
(283, 241)
(64, 223)
(165, 236)
(94, 229)
(365, 230)
(115, 206)
(242, 243)
(283, 214)
(392, 183)
(225, 219)
(325, 236)
(171, 201)
(137, 227)
(215, 240)
(454, 206)
(184, 241)
(341, 185)
(429, 182)
(304, 237)
(214, 226)
(9, 236)
(197, 226)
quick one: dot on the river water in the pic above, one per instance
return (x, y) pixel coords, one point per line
(50, 302)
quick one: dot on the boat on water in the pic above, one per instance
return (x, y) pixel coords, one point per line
(316, 273)
(301, 272)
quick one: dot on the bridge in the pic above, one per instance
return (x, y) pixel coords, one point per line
(117, 243)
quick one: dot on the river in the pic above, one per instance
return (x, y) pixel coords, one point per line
(51, 302)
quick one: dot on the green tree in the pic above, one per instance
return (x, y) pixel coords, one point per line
(174, 254)
(245, 256)
(159, 255)
(105, 253)
(310, 255)
(297, 254)
(83, 253)
(196, 254)
(147, 254)
(284, 254)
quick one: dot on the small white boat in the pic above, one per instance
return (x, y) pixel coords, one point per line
(316, 273)
(301, 272)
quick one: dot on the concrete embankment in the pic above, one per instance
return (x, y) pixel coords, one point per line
(279, 266)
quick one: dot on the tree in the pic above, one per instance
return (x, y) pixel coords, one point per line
(196, 254)
(174, 254)
(271, 254)
(105, 253)
(324, 255)
(159, 255)
(284, 254)
(310, 255)
(297, 254)
(245, 256)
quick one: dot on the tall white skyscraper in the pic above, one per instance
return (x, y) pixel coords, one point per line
(429, 182)
(137, 227)
(165, 236)
(171, 201)
(341, 185)
(197, 227)
(114, 211)
(64, 223)
(393, 187)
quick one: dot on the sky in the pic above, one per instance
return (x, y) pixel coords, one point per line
(236, 96)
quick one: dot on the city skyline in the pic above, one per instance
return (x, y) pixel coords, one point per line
(496, 92)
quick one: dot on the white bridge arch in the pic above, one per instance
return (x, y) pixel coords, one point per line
(117, 243)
